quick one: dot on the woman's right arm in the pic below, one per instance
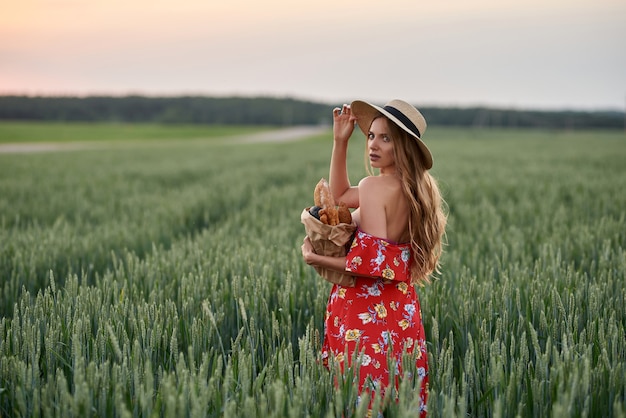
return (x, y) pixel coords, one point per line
(343, 126)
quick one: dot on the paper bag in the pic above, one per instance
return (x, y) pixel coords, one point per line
(331, 241)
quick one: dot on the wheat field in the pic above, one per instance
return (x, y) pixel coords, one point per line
(164, 278)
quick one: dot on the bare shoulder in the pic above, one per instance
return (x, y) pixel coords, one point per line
(367, 182)
(379, 197)
(380, 185)
(374, 181)
(371, 190)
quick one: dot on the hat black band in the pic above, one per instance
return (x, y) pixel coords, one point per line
(402, 118)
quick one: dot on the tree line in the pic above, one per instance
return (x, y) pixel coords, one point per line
(273, 111)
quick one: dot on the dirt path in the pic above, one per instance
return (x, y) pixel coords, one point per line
(28, 147)
(283, 135)
(280, 135)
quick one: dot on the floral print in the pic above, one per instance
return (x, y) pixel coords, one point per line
(380, 317)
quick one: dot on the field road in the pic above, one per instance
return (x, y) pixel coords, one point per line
(279, 135)
(282, 135)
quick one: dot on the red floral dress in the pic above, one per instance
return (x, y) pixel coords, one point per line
(380, 314)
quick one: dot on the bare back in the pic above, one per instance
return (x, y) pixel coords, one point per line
(383, 209)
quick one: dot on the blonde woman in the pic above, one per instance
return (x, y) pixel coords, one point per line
(401, 222)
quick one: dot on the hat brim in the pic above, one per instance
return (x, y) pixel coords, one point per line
(365, 114)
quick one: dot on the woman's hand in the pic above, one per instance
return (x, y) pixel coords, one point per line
(308, 253)
(316, 260)
(343, 123)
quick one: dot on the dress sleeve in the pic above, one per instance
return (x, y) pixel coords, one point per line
(375, 257)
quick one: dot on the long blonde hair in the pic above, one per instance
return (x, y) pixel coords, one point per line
(427, 219)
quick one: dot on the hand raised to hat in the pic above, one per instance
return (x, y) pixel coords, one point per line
(343, 123)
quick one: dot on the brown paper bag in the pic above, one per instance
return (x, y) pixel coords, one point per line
(331, 241)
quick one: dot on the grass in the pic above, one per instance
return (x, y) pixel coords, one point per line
(28, 132)
(168, 280)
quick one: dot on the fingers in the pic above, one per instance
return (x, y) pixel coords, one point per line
(344, 110)
(306, 244)
(307, 251)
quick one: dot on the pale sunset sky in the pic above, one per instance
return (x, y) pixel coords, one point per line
(543, 54)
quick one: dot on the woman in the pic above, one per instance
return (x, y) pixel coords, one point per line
(400, 219)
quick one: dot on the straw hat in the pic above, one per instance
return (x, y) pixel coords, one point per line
(399, 112)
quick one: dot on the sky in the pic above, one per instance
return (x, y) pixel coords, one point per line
(532, 54)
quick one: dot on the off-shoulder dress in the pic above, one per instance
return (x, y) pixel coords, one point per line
(379, 316)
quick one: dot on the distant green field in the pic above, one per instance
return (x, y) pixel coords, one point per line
(168, 281)
(16, 132)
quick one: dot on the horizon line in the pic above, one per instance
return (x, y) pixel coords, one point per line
(330, 102)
